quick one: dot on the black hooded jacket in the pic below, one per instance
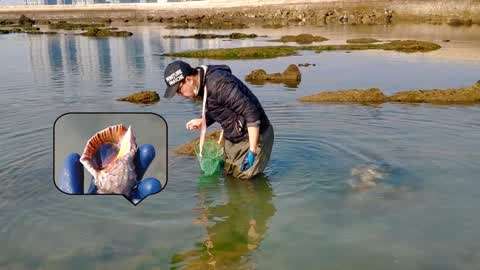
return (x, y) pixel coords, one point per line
(231, 103)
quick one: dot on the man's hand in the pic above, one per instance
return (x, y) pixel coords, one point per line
(71, 180)
(248, 161)
(194, 124)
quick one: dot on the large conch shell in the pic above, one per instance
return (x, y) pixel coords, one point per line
(109, 157)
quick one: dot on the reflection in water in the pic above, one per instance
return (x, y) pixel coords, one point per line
(56, 61)
(71, 54)
(136, 60)
(105, 62)
(233, 229)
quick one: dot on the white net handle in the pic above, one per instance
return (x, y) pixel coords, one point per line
(203, 130)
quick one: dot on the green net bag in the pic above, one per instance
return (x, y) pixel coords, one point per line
(212, 157)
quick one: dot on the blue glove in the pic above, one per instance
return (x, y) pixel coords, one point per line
(248, 161)
(71, 180)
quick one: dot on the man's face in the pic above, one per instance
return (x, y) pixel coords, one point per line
(187, 87)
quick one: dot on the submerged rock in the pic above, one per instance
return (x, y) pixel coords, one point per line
(368, 96)
(188, 149)
(463, 95)
(365, 177)
(291, 76)
(363, 40)
(143, 97)
(97, 32)
(306, 65)
(302, 39)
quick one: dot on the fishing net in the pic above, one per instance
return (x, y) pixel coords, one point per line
(212, 157)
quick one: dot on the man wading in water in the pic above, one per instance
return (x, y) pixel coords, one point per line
(247, 131)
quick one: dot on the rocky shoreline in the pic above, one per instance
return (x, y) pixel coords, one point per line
(316, 13)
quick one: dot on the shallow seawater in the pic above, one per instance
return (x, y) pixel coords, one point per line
(302, 213)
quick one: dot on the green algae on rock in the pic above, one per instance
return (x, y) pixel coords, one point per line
(302, 38)
(363, 40)
(142, 97)
(238, 53)
(406, 46)
(188, 149)
(291, 76)
(366, 96)
(464, 95)
(97, 32)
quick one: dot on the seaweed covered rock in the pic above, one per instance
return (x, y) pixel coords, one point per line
(213, 36)
(459, 22)
(188, 149)
(30, 31)
(238, 53)
(368, 96)
(410, 46)
(292, 73)
(242, 36)
(302, 38)
(406, 46)
(36, 32)
(257, 75)
(25, 21)
(206, 23)
(363, 40)
(74, 26)
(143, 97)
(97, 32)
(463, 95)
(6, 22)
(291, 76)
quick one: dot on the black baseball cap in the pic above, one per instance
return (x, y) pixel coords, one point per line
(176, 72)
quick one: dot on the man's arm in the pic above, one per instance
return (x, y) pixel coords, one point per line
(233, 98)
(253, 134)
